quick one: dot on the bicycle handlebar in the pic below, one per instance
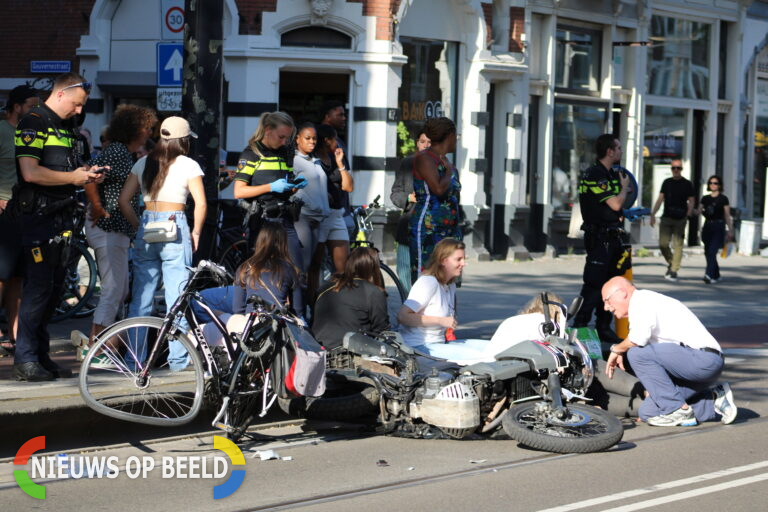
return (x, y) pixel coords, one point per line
(214, 268)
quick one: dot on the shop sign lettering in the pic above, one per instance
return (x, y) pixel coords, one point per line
(421, 110)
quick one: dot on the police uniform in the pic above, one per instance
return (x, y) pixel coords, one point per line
(263, 168)
(45, 213)
(605, 243)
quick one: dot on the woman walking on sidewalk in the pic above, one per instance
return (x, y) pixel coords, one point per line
(717, 212)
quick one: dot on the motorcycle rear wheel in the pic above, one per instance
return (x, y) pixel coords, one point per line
(588, 429)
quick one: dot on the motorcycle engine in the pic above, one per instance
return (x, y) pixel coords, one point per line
(453, 407)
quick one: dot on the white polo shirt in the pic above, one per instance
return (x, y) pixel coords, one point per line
(656, 318)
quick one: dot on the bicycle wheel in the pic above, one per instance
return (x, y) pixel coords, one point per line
(245, 392)
(79, 283)
(111, 384)
(234, 255)
(395, 293)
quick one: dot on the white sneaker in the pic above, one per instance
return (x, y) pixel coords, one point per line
(724, 404)
(679, 418)
(78, 339)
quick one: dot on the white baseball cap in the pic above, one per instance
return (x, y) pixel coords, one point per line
(176, 128)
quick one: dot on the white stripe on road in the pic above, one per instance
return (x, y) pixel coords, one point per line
(691, 494)
(660, 487)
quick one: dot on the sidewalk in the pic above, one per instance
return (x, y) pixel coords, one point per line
(733, 310)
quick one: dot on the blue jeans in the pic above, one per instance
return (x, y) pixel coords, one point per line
(713, 236)
(673, 375)
(218, 299)
(150, 261)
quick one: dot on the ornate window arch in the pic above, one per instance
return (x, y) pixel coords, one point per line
(316, 36)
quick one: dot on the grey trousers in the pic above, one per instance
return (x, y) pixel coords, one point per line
(673, 375)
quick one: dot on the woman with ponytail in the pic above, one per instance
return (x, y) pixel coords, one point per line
(165, 178)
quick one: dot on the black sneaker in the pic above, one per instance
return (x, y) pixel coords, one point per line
(707, 279)
(671, 276)
(31, 372)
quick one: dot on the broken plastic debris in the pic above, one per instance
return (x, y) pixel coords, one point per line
(478, 461)
(268, 454)
(287, 457)
(382, 463)
(411, 468)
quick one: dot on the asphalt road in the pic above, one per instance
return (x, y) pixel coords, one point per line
(339, 467)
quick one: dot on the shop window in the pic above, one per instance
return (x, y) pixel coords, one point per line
(678, 60)
(577, 126)
(316, 37)
(664, 140)
(761, 148)
(578, 56)
(429, 86)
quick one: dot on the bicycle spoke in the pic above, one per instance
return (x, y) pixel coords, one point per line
(119, 381)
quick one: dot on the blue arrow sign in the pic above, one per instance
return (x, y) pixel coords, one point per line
(170, 61)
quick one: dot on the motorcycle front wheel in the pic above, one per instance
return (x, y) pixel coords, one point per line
(586, 429)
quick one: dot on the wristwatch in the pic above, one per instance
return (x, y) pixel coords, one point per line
(613, 349)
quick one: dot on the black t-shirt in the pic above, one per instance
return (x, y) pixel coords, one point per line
(271, 165)
(335, 194)
(596, 185)
(713, 208)
(362, 308)
(676, 194)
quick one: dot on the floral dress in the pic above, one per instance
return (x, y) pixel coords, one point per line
(434, 217)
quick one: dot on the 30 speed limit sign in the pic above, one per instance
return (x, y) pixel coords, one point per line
(172, 19)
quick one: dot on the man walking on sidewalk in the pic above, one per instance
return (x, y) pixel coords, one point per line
(677, 195)
(676, 359)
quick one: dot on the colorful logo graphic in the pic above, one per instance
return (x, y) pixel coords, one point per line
(22, 476)
(236, 477)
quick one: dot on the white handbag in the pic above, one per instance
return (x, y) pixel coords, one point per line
(160, 231)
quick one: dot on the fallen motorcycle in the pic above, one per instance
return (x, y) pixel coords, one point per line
(530, 390)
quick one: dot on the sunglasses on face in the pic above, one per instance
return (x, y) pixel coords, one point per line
(85, 85)
(676, 168)
(713, 183)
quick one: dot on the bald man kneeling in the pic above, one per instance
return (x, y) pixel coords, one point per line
(677, 360)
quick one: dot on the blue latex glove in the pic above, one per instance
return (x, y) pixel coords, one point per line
(300, 182)
(280, 186)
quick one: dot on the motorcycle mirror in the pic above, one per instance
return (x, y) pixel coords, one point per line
(575, 306)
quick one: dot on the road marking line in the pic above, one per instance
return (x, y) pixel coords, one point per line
(690, 494)
(659, 487)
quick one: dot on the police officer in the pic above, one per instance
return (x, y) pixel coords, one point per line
(49, 174)
(265, 173)
(602, 192)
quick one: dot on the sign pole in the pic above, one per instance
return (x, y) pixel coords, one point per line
(201, 102)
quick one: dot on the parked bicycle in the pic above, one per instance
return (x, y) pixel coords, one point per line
(232, 240)
(81, 273)
(396, 293)
(126, 374)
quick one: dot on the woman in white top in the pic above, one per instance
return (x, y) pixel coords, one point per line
(165, 178)
(431, 304)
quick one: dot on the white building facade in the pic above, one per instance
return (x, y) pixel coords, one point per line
(530, 85)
